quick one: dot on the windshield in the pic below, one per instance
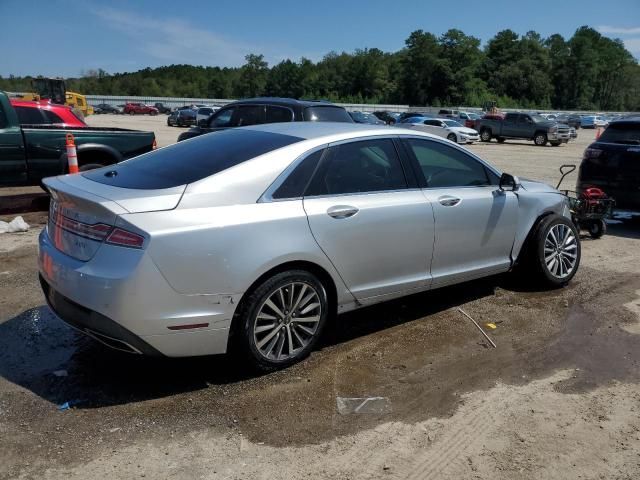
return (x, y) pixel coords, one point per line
(205, 155)
(623, 132)
(474, 116)
(452, 123)
(322, 113)
(538, 118)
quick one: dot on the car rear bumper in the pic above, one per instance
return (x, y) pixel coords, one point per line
(120, 298)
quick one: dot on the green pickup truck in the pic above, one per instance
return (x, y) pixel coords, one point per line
(29, 153)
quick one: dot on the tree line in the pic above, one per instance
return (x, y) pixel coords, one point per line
(585, 72)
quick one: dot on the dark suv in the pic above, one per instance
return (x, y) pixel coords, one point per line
(612, 163)
(255, 111)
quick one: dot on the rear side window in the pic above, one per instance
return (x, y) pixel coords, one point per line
(359, 167)
(278, 114)
(52, 117)
(443, 166)
(30, 116)
(322, 113)
(511, 117)
(246, 115)
(623, 132)
(190, 161)
(296, 182)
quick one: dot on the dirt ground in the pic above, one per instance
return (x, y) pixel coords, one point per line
(558, 398)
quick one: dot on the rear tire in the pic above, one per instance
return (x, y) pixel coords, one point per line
(131, 112)
(553, 254)
(597, 228)
(485, 135)
(501, 139)
(270, 338)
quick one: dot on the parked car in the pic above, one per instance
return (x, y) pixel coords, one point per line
(182, 118)
(446, 113)
(447, 128)
(413, 119)
(468, 119)
(106, 108)
(526, 126)
(592, 121)
(45, 113)
(612, 163)
(363, 117)
(140, 109)
(390, 118)
(204, 113)
(572, 120)
(31, 152)
(256, 111)
(404, 115)
(263, 236)
(162, 108)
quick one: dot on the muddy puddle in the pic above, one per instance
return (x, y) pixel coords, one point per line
(419, 354)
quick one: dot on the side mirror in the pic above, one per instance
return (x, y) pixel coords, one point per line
(202, 123)
(509, 183)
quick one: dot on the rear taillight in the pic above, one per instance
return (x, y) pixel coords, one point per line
(154, 145)
(124, 238)
(592, 153)
(97, 231)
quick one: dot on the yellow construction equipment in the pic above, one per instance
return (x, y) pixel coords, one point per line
(54, 90)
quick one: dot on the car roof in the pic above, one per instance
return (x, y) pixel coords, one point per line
(33, 104)
(285, 102)
(633, 118)
(319, 130)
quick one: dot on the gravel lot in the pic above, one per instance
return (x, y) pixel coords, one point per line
(559, 397)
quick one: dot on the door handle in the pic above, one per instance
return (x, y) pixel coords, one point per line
(449, 201)
(342, 211)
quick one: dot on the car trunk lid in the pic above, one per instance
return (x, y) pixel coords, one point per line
(83, 213)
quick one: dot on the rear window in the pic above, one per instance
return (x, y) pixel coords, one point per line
(623, 132)
(29, 116)
(326, 114)
(190, 161)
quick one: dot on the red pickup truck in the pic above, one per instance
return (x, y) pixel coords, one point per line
(140, 108)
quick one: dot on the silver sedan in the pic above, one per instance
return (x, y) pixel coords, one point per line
(250, 239)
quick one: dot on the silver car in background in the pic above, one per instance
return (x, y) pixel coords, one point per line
(249, 239)
(447, 128)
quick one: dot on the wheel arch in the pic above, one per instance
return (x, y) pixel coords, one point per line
(104, 154)
(520, 251)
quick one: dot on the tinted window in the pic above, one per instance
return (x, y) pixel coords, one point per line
(511, 117)
(278, 114)
(366, 166)
(187, 162)
(296, 182)
(322, 113)
(435, 123)
(52, 117)
(622, 132)
(222, 118)
(205, 111)
(445, 166)
(29, 116)
(246, 115)
(3, 119)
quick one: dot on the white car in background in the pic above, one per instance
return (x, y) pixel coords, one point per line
(205, 112)
(444, 127)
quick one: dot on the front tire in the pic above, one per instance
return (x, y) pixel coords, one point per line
(280, 322)
(540, 139)
(452, 137)
(553, 256)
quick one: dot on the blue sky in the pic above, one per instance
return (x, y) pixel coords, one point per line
(65, 37)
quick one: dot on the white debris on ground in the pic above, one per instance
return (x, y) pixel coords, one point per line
(16, 225)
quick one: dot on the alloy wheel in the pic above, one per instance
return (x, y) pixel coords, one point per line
(287, 321)
(560, 251)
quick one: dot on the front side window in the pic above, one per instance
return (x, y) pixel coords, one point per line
(30, 116)
(443, 166)
(222, 118)
(359, 167)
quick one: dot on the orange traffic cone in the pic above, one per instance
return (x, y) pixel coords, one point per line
(72, 156)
